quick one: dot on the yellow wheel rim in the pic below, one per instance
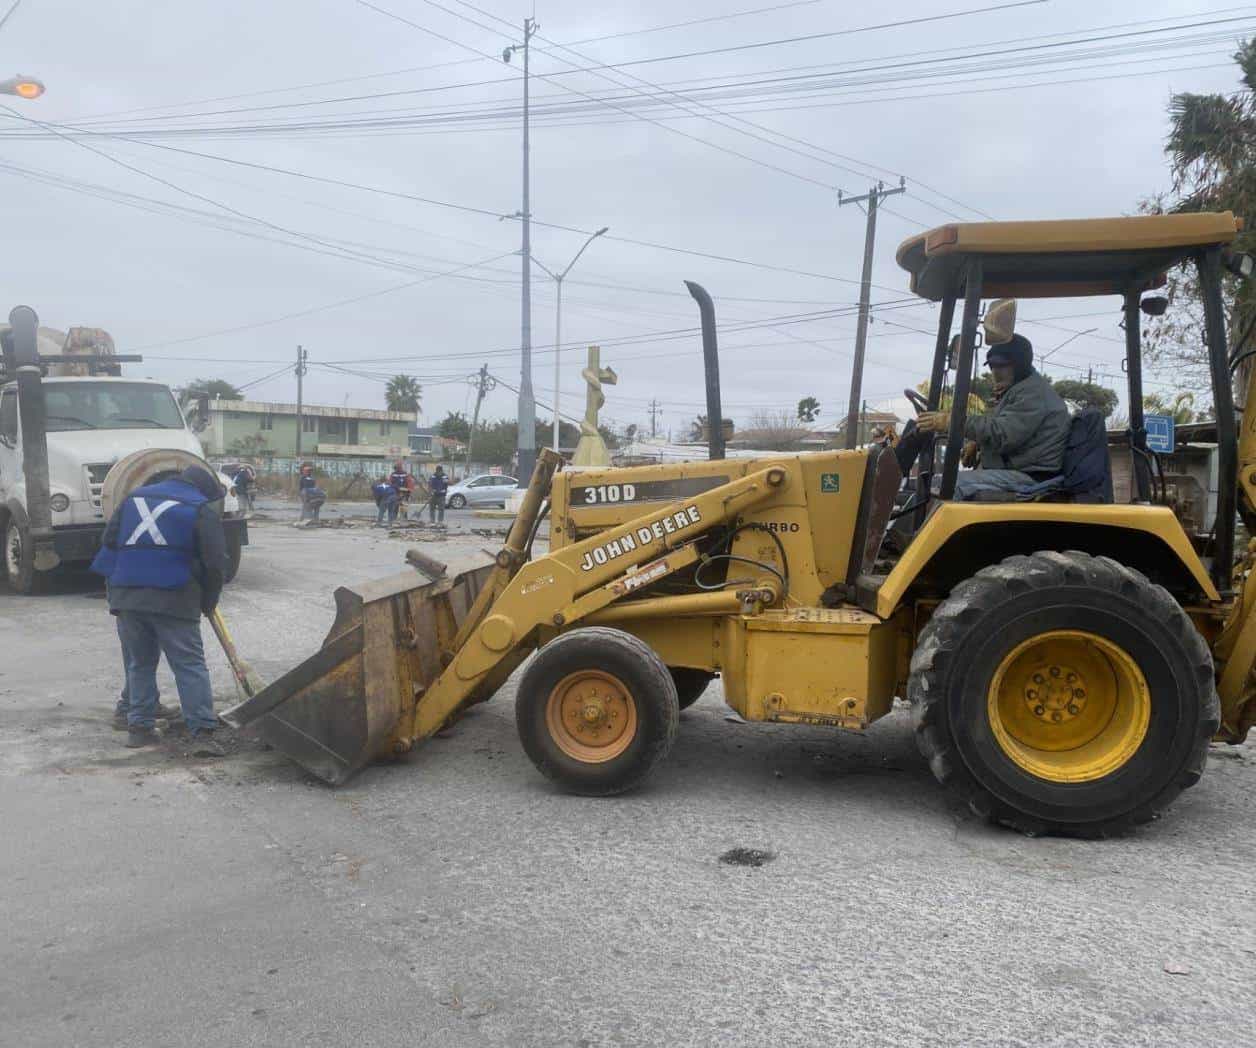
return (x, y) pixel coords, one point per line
(591, 716)
(1069, 706)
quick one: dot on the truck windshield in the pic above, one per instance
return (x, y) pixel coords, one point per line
(109, 405)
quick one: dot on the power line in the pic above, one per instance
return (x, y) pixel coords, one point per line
(438, 65)
(312, 310)
(619, 65)
(460, 207)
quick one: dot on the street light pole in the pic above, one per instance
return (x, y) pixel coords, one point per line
(526, 441)
(558, 321)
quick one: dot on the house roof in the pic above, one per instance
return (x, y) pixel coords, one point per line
(260, 407)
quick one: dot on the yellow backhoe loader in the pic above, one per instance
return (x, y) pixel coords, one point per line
(1068, 661)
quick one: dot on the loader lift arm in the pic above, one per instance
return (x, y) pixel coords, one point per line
(565, 587)
(407, 655)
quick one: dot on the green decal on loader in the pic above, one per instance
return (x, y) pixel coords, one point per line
(830, 482)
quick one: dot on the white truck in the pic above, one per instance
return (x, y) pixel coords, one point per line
(75, 437)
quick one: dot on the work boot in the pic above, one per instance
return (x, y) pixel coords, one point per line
(137, 737)
(166, 713)
(205, 745)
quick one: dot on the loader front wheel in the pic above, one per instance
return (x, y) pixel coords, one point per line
(597, 710)
(1063, 693)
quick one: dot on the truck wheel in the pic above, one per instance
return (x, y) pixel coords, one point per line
(690, 684)
(597, 711)
(234, 549)
(19, 559)
(1063, 693)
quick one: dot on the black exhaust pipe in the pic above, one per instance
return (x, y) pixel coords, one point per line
(24, 325)
(711, 357)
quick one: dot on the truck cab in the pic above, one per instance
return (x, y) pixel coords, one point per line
(91, 424)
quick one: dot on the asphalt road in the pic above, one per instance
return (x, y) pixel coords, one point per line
(456, 899)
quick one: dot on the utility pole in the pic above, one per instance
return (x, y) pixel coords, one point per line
(483, 383)
(301, 369)
(526, 443)
(654, 418)
(874, 196)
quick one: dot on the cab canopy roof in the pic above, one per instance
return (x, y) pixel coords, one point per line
(1088, 256)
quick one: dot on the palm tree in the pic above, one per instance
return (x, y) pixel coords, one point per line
(1212, 156)
(1181, 407)
(403, 393)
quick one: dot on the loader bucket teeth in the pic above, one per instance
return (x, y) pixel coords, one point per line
(352, 701)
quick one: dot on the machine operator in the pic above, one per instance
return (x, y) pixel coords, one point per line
(1022, 439)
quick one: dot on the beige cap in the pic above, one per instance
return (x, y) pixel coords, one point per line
(1000, 321)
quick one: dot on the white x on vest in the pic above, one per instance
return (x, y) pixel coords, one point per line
(148, 522)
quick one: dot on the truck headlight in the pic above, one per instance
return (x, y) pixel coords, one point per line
(59, 502)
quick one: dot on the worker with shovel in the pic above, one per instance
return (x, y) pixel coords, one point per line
(163, 559)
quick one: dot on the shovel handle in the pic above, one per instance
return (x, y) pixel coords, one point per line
(243, 673)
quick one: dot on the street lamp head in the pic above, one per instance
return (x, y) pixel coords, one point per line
(507, 52)
(23, 86)
(604, 229)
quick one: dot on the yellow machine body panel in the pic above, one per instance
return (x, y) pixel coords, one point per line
(833, 666)
(953, 518)
(813, 515)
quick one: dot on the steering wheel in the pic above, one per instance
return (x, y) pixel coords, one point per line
(918, 400)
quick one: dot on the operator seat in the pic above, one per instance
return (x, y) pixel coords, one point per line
(1086, 475)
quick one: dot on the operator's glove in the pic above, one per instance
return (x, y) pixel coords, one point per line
(970, 455)
(933, 421)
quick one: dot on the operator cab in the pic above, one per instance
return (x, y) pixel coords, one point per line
(973, 263)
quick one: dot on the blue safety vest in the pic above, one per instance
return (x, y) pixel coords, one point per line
(156, 543)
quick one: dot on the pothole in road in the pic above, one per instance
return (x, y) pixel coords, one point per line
(746, 857)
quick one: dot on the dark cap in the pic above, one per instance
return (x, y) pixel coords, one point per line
(1017, 351)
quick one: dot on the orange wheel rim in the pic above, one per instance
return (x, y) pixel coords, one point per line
(591, 716)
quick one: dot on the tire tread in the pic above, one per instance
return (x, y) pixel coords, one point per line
(942, 638)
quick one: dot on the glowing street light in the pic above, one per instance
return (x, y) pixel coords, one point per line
(27, 87)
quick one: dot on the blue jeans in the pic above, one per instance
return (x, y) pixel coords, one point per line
(124, 700)
(145, 638)
(971, 481)
(387, 507)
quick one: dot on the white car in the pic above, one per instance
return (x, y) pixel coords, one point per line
(488, 489)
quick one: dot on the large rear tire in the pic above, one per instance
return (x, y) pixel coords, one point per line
(597, 711)
(1063, 693)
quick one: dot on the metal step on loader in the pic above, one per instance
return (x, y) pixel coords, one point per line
(1068, 660)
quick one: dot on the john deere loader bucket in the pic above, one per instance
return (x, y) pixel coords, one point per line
(358, 697)
(338, 709)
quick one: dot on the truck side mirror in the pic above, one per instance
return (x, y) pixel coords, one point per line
(201, 420)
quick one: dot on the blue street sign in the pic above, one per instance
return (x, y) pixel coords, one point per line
(1159, 433)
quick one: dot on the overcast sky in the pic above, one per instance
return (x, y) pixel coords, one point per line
(220, 249)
